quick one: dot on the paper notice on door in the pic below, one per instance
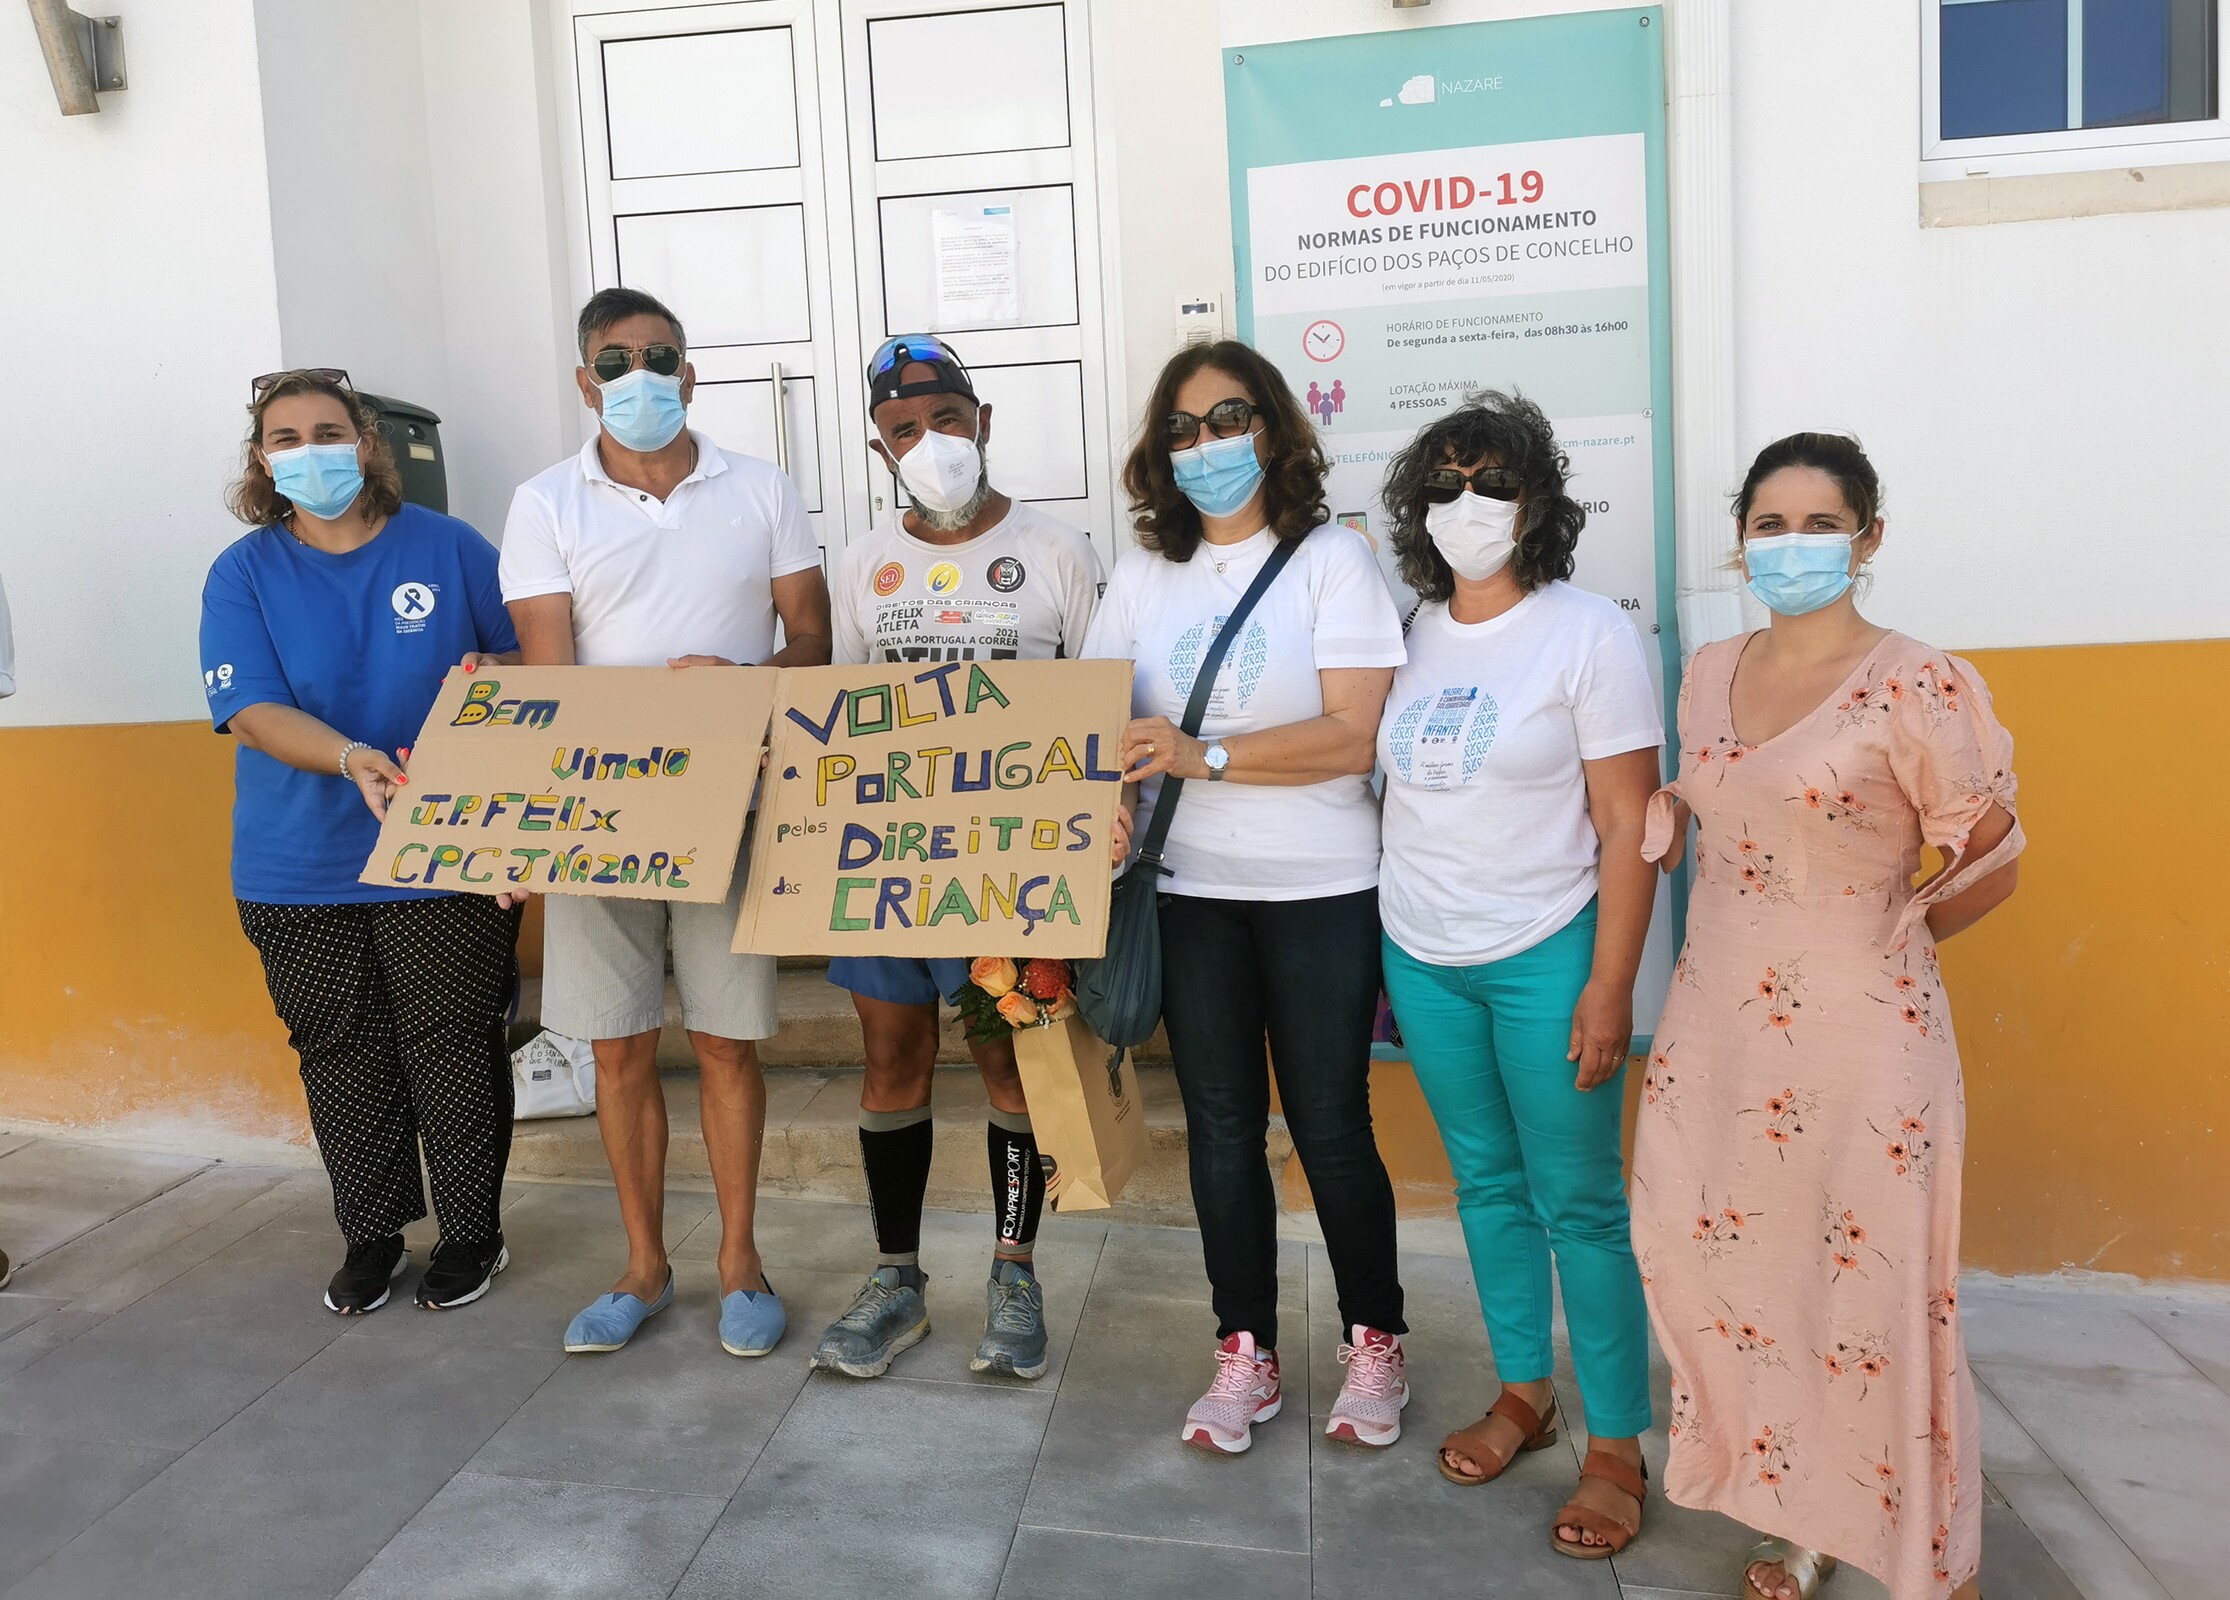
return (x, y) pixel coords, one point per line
(975, 266)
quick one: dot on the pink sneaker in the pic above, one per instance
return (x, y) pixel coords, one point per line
(1370, 1404)
(1245, 1392)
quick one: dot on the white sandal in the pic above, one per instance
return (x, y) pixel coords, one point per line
(1807, 1569)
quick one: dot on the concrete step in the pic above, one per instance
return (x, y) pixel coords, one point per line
(819, 1028)
(812, 1143)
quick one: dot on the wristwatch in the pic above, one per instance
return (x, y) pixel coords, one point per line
(1217, 758)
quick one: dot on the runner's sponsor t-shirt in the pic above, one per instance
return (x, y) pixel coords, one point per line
(1328, 609)
(1023, 589)
(360, 641)
(1489, 847)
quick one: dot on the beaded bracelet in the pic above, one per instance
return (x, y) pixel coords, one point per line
(348, 750)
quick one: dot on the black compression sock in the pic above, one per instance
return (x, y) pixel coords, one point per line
(895, 1147)
(1017, 1180)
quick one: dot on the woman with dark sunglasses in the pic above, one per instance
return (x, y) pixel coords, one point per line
(1269, 916)
(325, 635)
(1520, 746)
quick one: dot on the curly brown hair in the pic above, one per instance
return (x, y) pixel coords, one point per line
(1514, 432)
(256, 500)
(1293, 480)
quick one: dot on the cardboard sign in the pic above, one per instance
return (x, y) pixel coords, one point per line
(957, 808)
(628, 782)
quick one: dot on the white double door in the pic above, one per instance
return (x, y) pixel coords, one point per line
(800, 179)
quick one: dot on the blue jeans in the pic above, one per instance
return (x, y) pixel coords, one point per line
(1536, 1163)
(1302, 974)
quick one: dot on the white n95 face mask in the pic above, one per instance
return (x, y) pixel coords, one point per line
(1474, 534)
(942, 472)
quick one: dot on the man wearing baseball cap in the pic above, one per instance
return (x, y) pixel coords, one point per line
(962, 573)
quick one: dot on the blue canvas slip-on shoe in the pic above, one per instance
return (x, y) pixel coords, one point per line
(752, 1321)
(1013, 1324)
(888, 1316)
(611, 1320)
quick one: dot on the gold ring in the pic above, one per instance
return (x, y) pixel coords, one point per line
(1151, 747)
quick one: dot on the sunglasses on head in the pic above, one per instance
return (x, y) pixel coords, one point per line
(259, 387)
(1443, 484)
(1226, 419)
(907, 348)
(616, 361)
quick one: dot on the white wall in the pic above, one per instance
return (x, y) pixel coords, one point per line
(344, 129)
(435, 273)
(1161, 94)
(138, 273)
(498, 205)
(2047, 401)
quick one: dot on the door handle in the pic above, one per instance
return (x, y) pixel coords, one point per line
(781, 418)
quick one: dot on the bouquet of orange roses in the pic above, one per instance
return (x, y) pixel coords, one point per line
(1002, 996)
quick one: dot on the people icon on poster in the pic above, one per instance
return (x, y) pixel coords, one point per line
(1325, 404)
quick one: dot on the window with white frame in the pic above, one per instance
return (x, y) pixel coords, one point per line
(2026, 86)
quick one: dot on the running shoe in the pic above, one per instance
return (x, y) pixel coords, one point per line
(459, 1272)
(888, 1316)
(1013, 1324)
(1245, 1392)
(1370, 1404)
(363, 1282)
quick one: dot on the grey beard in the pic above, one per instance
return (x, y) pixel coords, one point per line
(961, 515)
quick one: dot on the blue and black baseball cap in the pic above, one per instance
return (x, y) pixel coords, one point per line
(897, 354)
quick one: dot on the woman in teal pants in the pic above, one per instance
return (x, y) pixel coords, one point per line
(1520, 746)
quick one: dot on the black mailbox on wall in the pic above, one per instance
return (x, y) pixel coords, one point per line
(414, 435)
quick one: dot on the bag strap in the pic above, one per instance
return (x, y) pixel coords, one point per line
(1149, 851)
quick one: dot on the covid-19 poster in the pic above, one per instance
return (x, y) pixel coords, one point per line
(1422, 213)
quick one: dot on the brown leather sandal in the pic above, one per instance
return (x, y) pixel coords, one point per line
(1616, 1535)
(1536, 1431)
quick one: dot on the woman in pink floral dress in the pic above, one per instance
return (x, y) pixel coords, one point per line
(1796, 1164)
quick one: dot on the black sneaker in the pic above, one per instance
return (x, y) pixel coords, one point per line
(458, 1274)
(361, 1284)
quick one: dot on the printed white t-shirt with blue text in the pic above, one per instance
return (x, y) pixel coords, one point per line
(1489, 846)
(1328, 609)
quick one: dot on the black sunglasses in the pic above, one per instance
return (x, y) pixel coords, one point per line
(1226, 419)
(1443, 484)
(617, 361)
(259, 387)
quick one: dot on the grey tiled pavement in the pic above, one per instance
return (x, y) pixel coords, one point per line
(179, 1416)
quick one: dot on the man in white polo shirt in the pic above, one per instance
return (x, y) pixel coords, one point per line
(655, 547)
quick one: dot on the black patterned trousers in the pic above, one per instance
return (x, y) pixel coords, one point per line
(397, 1011)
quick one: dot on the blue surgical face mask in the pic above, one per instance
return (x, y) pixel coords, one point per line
(322, 479)
(1220, 476)
(642, 410)
(1792, 573)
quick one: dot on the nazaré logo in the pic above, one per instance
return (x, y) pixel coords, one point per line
(483, 710)
(1246, 662)
(1417, 91)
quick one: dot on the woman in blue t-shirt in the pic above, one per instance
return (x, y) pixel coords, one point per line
(325, 635)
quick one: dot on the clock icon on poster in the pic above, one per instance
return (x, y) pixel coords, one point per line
(1323, 341)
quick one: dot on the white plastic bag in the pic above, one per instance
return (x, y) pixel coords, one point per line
(553, 1076)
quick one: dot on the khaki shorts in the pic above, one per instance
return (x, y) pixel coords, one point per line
(604, 967)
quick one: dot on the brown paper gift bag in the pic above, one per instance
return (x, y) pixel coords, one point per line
(1085, 1109)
